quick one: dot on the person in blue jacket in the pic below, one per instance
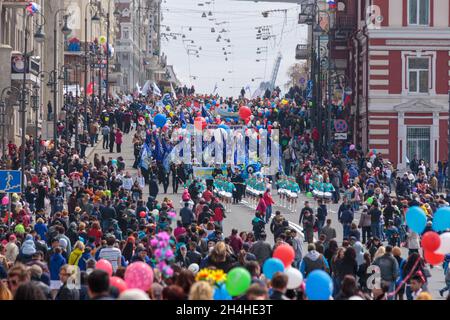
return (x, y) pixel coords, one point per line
(85, 258)
(56, 262)
(41, 229)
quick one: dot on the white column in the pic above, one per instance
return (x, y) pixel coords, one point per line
(401, 140)
(434, 140)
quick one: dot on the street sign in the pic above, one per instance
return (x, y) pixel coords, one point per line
(340, 125)
(340, 136)
(10, 181)
(98, 65)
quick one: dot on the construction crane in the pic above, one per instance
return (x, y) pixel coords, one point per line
(276, 68)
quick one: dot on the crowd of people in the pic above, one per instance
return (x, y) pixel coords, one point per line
(83, 229)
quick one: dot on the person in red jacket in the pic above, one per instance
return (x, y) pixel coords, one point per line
(207, 195)
(315, 136)
(268, 200)
(219, 212)
(261, 208)
(119, 140)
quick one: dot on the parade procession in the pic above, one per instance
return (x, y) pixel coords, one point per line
(148, 153)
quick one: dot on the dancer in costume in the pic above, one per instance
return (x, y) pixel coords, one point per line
(292, 194)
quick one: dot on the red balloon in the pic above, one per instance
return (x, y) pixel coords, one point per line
(119, 283)
(104, 265)
(200, 123)
(285, 253)
(142, 214)
(245, 112)
(431, 241)
(434, 258)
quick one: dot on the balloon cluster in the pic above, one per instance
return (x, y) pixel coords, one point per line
(435, 246)
(163, 253)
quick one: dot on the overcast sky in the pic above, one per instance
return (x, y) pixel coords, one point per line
(240, 20)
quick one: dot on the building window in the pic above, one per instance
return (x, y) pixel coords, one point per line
(419, 12)
(418, 75)
(125, 33)
(418, 143)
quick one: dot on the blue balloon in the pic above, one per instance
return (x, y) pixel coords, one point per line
(221, 293)
(441, 219)
(228, 120)
(214, 102)
(224, 126)
(416, 219)
(160, 120)
(272, 266)
(319, 285)
(269, 122)
(208, 106)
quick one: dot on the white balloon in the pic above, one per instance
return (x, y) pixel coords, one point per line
(369, 165)
(295, 278)
(355, 298)
(444, 248)
(194, 268)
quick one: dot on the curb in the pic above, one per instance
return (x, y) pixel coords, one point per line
(90, 152)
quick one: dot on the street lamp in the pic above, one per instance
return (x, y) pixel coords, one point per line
(116, 15)
(66, 31)
(77, 139)
(40, 37)
(6, 90)
(34, 100)
(94, 19)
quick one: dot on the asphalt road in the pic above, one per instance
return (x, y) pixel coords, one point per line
(241, 214)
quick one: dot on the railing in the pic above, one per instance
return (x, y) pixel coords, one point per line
(345, 22)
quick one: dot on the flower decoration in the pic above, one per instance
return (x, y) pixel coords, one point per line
(163, 253)
(214, 277)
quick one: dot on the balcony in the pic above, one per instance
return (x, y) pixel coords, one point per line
(345, 22)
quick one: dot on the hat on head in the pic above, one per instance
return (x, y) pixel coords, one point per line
(28, 247)
(63, 243)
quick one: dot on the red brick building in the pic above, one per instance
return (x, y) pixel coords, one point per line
(397, 56)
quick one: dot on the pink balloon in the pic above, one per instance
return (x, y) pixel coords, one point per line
(5, 201)
(104, 265)
(139, 275)
(118, 283)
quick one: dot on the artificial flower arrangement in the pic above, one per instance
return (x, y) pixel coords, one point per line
(163, 253)
(214, 277)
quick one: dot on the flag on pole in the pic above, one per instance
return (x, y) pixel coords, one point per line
(146, 157)
(33, 8)
(172, 90)
(215, 88)
(145, 88)
(247, 88)
(167, 100)
(182, 119)
(90, 89)
(156, 90)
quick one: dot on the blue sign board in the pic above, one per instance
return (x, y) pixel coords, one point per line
(10, 181)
